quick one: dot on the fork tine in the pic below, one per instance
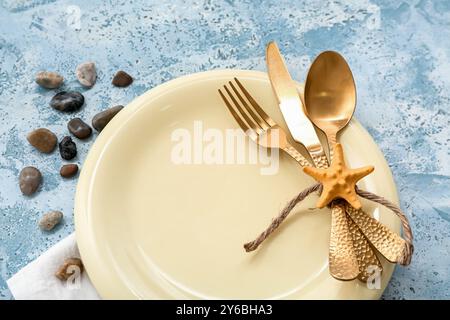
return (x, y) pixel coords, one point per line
(244, 115)
(238, 119)
(255, 105)
(255, 117)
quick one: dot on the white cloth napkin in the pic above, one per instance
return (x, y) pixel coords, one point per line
(37, 280)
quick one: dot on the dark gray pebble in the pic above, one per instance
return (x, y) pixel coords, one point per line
(67, 148)
(67, 101)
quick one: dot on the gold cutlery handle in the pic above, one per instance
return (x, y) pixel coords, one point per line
(332, 140)
(388, 243)
(367, 259)
(343, 255)
(296, 155)
(365, 254)
(343, 263)
(350, 254)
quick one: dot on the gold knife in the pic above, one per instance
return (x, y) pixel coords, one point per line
(301, 128)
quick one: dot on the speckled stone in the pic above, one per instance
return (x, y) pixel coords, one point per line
(79, 128)
(86, 74)
(67, 148)
(122, 79)
(50, 220)
(70, 267)
(30, 179)
(67, 101)
(42, 139)
(49, 80)
(101, 119)
(68, 170)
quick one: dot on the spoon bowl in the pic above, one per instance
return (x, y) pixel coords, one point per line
(330, 94)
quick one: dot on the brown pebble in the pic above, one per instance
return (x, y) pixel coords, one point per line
(42, 139)
(79, 128)
(50, 220)
(29, 180)
(101, 119)
(122, 79)
(70, 267)
(68, 170)
(49, 80)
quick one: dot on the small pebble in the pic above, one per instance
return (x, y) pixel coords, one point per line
(67, 101)
(50, 220)
(71, 266)
(86, 74)
(29, 180)
(122, 79)
(101, 119)
(67, 148)
(79, 128)
(49, 80)
(68, 170)
(42, 139)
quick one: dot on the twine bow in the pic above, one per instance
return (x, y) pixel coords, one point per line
(407, 251)
(336, 184)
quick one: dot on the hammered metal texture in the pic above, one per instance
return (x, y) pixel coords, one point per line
(338, 260)
(364, 252)
(320, 159)
(367, 259)
(388, 243)
(343, 263)
(297, 156)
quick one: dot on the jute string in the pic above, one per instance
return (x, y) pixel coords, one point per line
(407, 252)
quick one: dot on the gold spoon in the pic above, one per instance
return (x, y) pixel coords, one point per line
(330, 101)
(330, 94)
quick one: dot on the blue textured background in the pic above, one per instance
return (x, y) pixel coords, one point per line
(399, 53)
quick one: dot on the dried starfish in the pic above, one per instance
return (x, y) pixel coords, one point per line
(338, 180)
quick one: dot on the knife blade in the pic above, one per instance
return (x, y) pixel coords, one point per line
(291, 106)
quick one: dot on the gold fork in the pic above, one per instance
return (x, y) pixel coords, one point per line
(256, 123)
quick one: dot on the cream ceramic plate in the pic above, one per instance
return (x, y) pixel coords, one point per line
(149, 228)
